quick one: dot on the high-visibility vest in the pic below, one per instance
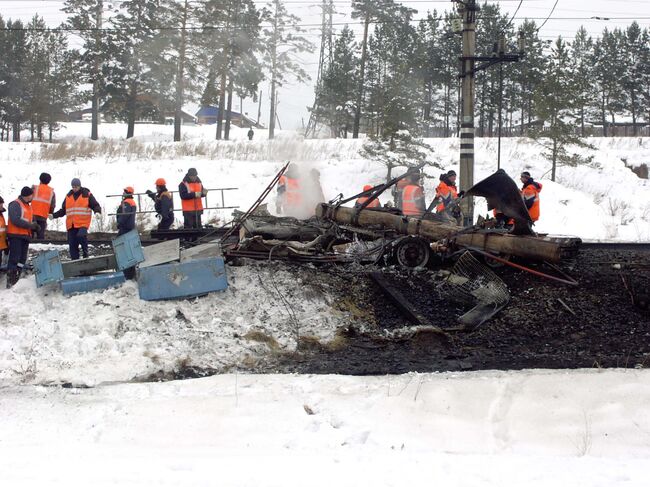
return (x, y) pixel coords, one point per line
(446, 194)
(3, 233)
(42, 202)
(292, 196)
(78, 212)
(373, 204)
(411, 196)
(195, 204)
(531, 192)
(25, 214)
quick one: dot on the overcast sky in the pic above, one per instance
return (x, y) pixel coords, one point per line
(294, 98)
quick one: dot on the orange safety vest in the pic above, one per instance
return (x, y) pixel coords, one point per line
(411, 195)
(373, 204)
(292, 196)
(78, 212)
(26, 214)
(446, 194)
(3, 233)
(42, 202)
(195, 204)
(531, 192)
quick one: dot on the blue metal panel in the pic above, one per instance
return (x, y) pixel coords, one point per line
(48, 268)
(182, 280)
(92, 283)
(128, 250)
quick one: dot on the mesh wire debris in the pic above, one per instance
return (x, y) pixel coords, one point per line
(471, 283)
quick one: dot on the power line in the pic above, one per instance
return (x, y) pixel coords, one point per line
(513, 15)
(549, 16)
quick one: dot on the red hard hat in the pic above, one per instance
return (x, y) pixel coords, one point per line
(129, 189)
(161, 182)
(367, 187)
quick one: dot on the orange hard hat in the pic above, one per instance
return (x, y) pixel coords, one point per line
(367, 187)
(129, 189)
(161, 182)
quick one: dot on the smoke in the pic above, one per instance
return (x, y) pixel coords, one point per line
(309, 189)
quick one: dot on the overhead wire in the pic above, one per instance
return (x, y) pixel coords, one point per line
(549, 16)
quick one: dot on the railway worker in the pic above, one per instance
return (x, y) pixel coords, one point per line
(362, 199)
(446, 192)
(250, 133)
(78, 207)
(412, 199)
(43, 203)
(19, 233)
(163, 204)
(192, 192)
(530, 193)
(289, 198)
(126, 212)
(4, 246)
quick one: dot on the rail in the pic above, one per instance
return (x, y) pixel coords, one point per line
(206, 203)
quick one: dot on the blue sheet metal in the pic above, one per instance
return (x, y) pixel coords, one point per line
(182, 279)
(128, 250)
(98, 282)
(48, 268)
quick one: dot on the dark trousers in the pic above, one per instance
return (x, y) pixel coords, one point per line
(191, 219)
(42, 222)
(75, 240)
(18, 249)
(166, 223)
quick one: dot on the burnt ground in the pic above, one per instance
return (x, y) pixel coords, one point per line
(533, 331)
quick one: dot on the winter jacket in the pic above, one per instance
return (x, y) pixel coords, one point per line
(530, 193)
(126, 216)
(187, 196)
(85, 192)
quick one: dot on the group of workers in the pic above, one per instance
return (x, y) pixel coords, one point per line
(27, 215)
(409, 196)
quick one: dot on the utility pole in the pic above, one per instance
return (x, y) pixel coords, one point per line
(94, 130)
(468, 10)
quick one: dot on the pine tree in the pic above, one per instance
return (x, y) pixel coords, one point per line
(555, 101)
(582, 75)
(86, 17)
(399, 149)
(529, 73)
(13, 93)
(635, 44)
(36, 67)
(608, 63)
(283, 43)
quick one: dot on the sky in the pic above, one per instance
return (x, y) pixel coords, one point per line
(294, 98)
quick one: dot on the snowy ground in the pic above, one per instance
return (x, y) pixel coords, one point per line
(584, 428)
(601, 201)
(578, 428)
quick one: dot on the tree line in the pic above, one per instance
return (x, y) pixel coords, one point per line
(403, 75)
(145, 58)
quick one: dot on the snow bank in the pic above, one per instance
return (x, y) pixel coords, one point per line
(114, 336)
(581, 428)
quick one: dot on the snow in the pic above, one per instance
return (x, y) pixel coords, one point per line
(534, 428)
(604, 200)
(581, 428)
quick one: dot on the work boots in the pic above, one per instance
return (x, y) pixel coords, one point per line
(12, 278)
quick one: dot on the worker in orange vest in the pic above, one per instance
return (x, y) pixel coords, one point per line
(412, 198)
(530, 193)
(78, 207)
(4, 246)
(43, 203)
(289, 198)
(362, 199)
(446, 192)
(192, 192)
(19, 233)
(126, 212)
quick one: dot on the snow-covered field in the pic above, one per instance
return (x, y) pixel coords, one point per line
(601, 201)
(582, 428)
(569, 429)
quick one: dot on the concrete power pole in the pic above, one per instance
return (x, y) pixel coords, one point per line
(468, 10)
(94, 130)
